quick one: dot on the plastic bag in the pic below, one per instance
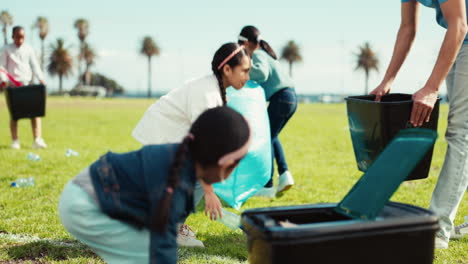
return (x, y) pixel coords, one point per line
(254, 171)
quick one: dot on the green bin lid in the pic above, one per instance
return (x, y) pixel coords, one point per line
(370, 194)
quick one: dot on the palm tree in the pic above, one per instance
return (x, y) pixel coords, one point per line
(61, 62)
(89, 56)
(43, 25)
(367, 61)
(82, 26)
(292, 54)
(7, 20)
(149, 49)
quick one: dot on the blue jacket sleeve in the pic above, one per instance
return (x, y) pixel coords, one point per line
(260, 70)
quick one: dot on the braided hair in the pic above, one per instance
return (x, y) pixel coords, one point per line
(253, 35)
(216, 132)
(220, 55)
(161, 212)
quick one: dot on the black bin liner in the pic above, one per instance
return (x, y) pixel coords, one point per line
(402, 234)
(373, 125)
(26, 101)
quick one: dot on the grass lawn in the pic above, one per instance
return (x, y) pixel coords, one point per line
(316, 141)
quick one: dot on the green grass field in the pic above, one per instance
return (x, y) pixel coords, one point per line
(316, 141)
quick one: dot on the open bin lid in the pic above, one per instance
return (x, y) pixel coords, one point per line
(370, 194)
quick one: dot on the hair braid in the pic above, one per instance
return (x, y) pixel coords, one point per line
(253, 35)
(222, 90)
(161, 212)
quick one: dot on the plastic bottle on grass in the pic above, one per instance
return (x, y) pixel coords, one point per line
(231, 220)
(33, 156)
(71, 152)
(23, 182)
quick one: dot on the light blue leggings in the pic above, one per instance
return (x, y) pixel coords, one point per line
(113, 240)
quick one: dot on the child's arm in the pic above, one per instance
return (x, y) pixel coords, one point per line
(212, 203)
(36, 69)
(3, 62)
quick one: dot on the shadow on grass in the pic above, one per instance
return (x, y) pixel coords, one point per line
(49, 250)
(232, 245)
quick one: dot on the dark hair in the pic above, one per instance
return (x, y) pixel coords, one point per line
(220, 55)
(16, 28)
(216, 132)
(252, 34)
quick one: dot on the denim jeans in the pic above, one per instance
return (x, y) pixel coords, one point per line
(453, 178)
(282, 106)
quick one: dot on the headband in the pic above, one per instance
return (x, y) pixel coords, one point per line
(242, 38)
(230, 56)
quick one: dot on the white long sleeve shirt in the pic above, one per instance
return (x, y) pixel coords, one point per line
(21, 63)
(169, 119)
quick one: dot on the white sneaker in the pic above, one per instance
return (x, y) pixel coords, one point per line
(15, 144)
(268, 192)
(39, 143)
(187, 238)
(460, 230)
(286, 181)
(441, 243)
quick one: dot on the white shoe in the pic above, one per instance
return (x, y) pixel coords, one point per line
(460, 230)
(286, 181)
(187, 238)
(268, 192)
(441, 243)
(15, 144)
(39, 143)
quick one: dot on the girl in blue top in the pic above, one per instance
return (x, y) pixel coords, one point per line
(451, 65)
(279, 90)
(126, 207)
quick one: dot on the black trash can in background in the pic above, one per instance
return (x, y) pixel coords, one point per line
(402, 234)
(26, 101)
(373, 124)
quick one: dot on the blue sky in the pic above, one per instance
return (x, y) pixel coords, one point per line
(189, 32)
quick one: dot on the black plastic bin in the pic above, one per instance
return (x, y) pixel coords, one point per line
(373, 124)
(402, 234)
(363, 228)
(26, 101)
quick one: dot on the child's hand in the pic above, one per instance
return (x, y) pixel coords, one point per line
(212, 206)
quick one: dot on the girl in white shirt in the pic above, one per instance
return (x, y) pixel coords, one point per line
(169, 119)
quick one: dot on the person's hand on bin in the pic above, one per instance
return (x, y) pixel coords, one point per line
(381, 90)
(423, 103)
